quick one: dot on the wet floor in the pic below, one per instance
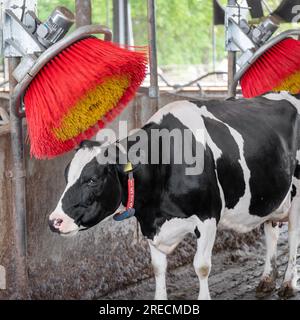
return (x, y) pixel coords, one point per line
(234, 276)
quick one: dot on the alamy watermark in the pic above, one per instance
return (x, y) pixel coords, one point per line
(154, 146)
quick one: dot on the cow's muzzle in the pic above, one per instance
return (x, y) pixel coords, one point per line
(54, 225)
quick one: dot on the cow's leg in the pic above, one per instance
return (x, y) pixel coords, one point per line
(268, 281)
(202, 259)
(159, 263)
(289, 286)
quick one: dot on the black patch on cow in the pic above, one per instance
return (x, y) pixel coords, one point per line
(230, 173)
(89, 144)
(197, 232)
(294, 191)
(297, 172)
(270, 133)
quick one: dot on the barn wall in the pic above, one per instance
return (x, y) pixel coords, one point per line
(103, 259)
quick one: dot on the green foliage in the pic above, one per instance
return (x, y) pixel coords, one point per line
(45, 7)
(184, 30)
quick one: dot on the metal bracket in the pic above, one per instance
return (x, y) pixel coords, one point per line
(17, 40)
(4, 117)
(234, 13)
(239, 39)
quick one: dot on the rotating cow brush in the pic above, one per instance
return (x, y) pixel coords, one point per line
(71, 86)
(78, 92)
(278, 69)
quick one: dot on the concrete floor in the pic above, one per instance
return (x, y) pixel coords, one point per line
(235, 275)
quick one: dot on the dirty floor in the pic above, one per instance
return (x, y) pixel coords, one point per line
(235, 275)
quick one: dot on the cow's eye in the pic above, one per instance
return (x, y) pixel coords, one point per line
(92, 182)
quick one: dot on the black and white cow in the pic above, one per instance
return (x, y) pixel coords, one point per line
(250, 176)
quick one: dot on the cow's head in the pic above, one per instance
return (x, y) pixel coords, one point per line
(93, 192)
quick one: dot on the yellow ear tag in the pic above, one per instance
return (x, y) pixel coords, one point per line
(128, 167)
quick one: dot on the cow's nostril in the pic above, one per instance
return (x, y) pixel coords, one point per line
(53, 228)
(57, 222)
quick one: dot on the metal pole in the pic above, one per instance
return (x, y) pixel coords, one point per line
(116, 21)
(231, 73)
(231, 64)
(214, 47)
(18, 188)
(154, 89)
(126, 22)
(122, 25)
(83, 13)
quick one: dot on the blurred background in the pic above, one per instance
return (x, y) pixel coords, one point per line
(189, 43)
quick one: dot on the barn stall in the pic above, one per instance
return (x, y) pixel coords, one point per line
(112, 259)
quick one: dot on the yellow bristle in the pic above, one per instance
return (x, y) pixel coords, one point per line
(290, 84)
(92, 107)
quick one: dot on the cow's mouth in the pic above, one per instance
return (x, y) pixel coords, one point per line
(83, 229)
(69, 234)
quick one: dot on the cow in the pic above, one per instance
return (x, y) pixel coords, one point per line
(250, 176)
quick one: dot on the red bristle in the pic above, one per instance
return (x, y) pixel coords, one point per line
(272, 68)
(101, 124)
(66, 79)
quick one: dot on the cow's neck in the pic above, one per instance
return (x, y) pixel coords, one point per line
(148, 193)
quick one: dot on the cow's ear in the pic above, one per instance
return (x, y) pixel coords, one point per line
(89, 144)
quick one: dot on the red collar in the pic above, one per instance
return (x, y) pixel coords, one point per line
(130, 211)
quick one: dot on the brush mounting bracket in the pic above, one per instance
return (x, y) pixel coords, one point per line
(23, 33)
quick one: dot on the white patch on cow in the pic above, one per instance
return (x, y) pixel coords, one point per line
(202, 258)
(172, 232)
(187, 113)
(81, 159)
(284, 95)
(292, 272)
(159, 263)
(271, 240)
(298, 155)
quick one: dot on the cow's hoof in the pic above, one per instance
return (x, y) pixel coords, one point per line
(287, 291)
(266, 286)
